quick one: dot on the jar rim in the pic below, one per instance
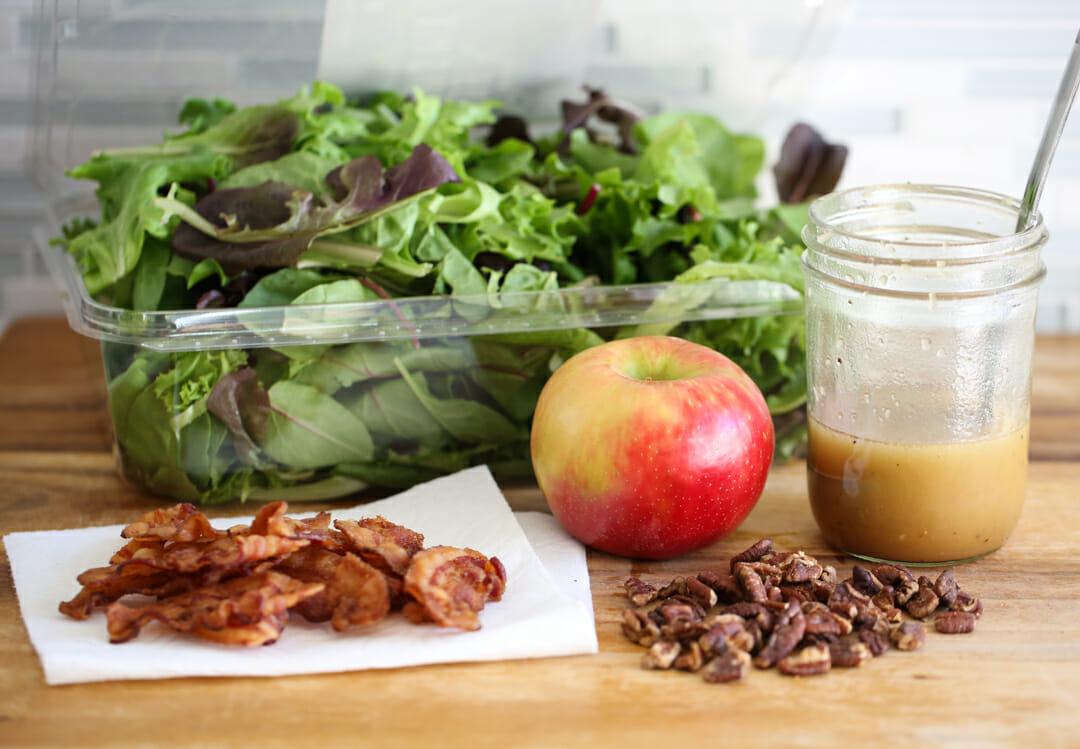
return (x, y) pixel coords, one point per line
(825, 210)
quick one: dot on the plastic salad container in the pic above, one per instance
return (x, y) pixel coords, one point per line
(414, 340)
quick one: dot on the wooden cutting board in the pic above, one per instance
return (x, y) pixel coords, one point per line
(1015, 681)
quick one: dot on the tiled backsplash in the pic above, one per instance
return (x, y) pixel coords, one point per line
(920, 90)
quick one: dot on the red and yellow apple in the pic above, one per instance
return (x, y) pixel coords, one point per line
(651, 447)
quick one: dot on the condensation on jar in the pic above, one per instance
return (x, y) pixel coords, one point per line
(920, 319)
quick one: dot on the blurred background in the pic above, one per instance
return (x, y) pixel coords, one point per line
(947, 91)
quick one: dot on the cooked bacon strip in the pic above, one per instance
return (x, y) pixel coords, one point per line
(453, 584)
(103, 585)
(381, 543)
(272, 521)
(247, 611)
(231, 553)
(356, 593)
(181, 522)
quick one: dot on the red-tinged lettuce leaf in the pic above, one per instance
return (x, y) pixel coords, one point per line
(272, 224)
(243, 406)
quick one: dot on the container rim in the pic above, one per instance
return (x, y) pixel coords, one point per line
(653, 304)
(826, 210)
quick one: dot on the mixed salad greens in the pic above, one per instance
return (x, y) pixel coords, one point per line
(316, 200)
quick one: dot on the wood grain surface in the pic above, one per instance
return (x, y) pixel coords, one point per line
(1014, 682)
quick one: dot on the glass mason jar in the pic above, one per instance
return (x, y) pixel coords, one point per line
(920, 322)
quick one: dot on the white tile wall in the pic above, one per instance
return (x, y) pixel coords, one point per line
(920, 90)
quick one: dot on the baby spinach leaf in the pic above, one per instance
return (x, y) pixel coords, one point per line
(467, 420)
(308, 429)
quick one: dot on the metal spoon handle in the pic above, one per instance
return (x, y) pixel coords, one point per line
(1070, 80)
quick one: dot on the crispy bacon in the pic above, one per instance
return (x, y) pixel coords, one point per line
(356, 593)
(247, 611)
(229, 553)
(237, 586)
(452, 585)
(272, 521)
(381, 543)
(182, 522)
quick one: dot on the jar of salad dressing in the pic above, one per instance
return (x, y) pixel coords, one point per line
(920, 320)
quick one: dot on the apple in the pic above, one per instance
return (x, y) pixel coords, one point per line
(651, 447)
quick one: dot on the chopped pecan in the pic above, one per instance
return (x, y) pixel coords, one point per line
(751, 583)
(731, 665)
(683, 629)
(954, 622)
(677, 587)
(640, 592)
(752, 554)
(811, 660)
(750, 610)
(691, 658)
(639, 628)
(776, 595)
(849, 652)
(787, 632)
(801, 592)
(876, 642)
(726, 587)
(908, 636)
(823, 589)
(848, 602)
(678, 608)
(924, 602)
(828, 575)
(885, 599)
(660, 655)
(800, 568)
(891, 574)
(967, 603)
(905, 589)
(820, 620)
(704, 595)
(946, 588)
(716, 638)
(749, 639)
(865, 581)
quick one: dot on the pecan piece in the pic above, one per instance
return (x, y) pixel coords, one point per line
(801, 568)
(731, 665)
(726, 587)
(639, 628)
(752, 554)
(923, 603)
(751, 583)
(876, 642)
(823, 589)
(640, 592)
(954, 622)
(946, 588)
(885, 599)
(848, 602)
(660, 655)
(691, 658)
(811, 660)
(849, 652)
(967, 603)
(677, 587)
(749, 610)
(785, 637)
(865, 581)
(701, 593)
(891, 574)
(908, 636)
(822, 621)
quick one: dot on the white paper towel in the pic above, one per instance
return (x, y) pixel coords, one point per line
(546, 610)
